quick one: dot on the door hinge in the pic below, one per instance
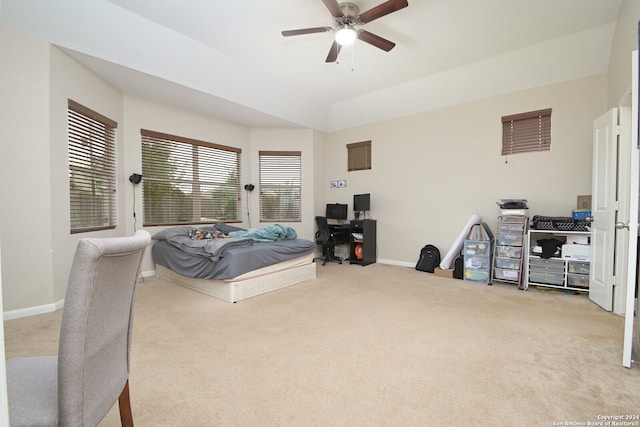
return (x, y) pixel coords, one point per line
(617, 130)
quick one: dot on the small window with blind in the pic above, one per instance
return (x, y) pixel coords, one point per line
(280, 186)
(526, 132)
(92, 169)
(359, 156)
(186, 181)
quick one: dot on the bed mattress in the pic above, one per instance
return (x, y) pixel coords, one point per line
(234, 263)
(248, 285)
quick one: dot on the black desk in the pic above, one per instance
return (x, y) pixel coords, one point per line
(341, 232)
(365, 230)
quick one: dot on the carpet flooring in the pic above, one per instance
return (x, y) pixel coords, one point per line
(367, 346)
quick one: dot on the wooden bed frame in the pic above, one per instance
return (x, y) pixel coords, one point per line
(250, 284)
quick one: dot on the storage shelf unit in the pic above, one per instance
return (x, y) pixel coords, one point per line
(557, 271)
(508, 253)
(477, 261)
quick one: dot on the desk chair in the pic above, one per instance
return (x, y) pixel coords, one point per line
(91, 372)
(325, 237)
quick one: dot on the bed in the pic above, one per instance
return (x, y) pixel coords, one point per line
(245, 264)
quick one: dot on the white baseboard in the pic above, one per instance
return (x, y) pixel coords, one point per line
(151, 273)
(48, 308)
(32, 311)
(398, 263)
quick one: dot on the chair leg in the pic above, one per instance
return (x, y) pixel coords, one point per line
(124, 402)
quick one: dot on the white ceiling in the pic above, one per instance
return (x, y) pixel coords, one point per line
(228, 58)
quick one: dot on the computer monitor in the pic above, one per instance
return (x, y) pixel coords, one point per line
(336, 211)
(361, 202)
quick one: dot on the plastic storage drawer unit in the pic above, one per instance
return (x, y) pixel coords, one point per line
(477, 261)
(577, 280)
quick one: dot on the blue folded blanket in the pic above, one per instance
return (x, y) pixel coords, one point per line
(268, 233)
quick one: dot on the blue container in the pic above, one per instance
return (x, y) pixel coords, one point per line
(581, 213)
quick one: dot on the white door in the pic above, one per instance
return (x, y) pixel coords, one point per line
(634, 189)
(603, 208)
(4, 405)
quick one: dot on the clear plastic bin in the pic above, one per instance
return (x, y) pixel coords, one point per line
(510, 239)
(578, 280)
(548, 278)
(509, 251)
(477, 262)
(510, 263)
(510, 228)
(477, 247)
(478, 276)
(506, 274)
(578, 267)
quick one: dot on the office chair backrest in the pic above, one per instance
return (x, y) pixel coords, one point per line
(323, 234)
(97, 319)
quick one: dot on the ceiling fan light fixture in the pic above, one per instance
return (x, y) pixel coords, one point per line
(346, 35)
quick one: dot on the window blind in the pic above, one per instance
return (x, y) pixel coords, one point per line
(280, 186)
(359, 156)
(187, 181)
(92, 169)
(526, 132)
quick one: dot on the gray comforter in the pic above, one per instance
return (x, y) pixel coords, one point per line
(232, 260)
(206, 248)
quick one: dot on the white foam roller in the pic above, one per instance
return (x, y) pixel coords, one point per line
(445, 263)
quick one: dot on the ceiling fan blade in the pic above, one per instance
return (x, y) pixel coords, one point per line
(382, 10)
(334, 8)
(333, 52)
(288, 33)
(376, 41)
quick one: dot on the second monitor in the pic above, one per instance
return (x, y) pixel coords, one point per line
(361, 202)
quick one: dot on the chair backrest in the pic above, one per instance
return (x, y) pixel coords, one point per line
(97, 319)
(323, 234)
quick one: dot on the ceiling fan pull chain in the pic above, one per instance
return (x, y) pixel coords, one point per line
(353, 48)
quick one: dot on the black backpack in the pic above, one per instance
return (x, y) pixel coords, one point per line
(458, 267)
(429, 259)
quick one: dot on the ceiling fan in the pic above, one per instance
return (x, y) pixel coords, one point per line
(347, 17)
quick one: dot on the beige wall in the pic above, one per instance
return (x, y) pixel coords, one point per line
(25, 193)
(70, 80)
(35, 231)
(432, 171)
(624, 42)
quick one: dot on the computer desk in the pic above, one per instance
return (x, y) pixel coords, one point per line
(366, 240)
(341, 232)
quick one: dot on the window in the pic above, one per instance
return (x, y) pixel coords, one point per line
(359, 156)
(92, 169)
(280, 186)
(186, 181)
(526, 132)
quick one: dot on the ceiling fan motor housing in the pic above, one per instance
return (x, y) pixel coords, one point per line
(347, 17)
(349, 9)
